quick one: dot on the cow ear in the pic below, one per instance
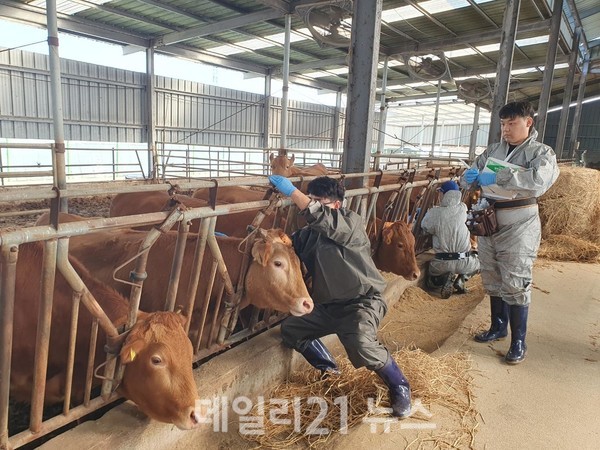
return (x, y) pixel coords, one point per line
(284, 238)
(292, 159)
(260, 253)
(130, 350)
(271, 157)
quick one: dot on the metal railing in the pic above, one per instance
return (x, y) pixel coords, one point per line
(221, 332)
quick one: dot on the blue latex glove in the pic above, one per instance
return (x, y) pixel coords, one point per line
(282, 184)
(486, 178)
(471, 175)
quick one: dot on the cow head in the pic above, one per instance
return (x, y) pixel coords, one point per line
(396, 251)
(281, 165)
(274, 279)
(158, 378)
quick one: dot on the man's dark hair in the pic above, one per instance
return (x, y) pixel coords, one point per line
(326, 187)
(516, 109)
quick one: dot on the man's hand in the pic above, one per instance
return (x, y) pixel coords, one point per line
(486, 178)
(471, 175)
(282, 184)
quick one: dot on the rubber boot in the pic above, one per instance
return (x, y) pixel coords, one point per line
(459, 284)
(435, 281)
(319, 357)
(448, 288)
(499, 326)
(398, 386)
(518, 330)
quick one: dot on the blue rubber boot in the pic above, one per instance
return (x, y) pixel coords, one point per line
(518, 330)
(398, 387)
(319, 357)
(499, 327)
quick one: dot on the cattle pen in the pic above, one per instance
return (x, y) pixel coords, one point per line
(225, 326)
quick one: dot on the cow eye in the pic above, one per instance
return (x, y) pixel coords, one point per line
(400, 245)
(156, 360)
(278, 263)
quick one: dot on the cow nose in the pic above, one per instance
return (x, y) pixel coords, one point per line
(194, 417)
(415, 275)
(307, 305)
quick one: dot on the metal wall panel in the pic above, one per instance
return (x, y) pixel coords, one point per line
(589, 129)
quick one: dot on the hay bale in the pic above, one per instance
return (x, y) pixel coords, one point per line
(571, 207)
(566, 248)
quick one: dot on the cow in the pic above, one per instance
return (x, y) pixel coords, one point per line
(394, 249)
(157, 354)
(232, 194)
(284, 166)
(131, 203)
(273, 280)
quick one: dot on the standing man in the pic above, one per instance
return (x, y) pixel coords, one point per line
(346, 287)
(451, 243)
(507, 256)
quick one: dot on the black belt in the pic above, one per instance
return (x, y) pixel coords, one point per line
(451, 256)
(515, 203)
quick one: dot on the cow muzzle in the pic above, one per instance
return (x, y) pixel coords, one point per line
(302, 306)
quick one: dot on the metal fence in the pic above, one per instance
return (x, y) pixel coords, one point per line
(222, 328)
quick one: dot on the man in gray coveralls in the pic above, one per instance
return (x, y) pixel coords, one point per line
(507, 256)
(346, 287)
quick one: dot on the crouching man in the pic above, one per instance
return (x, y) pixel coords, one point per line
(453, 263)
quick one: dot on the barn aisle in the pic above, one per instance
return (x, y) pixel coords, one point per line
(552, 399)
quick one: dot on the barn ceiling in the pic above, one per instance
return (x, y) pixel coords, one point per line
(422, 40)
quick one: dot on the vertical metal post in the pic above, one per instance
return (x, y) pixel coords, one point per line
(435, 117)
(503, 68)
(56, 97)
(577, 116)
(336, 121)
(151, 114)
(267, 119)
(42, 341)
(542, 115)
(177, 265)
(364, 52)
(382, 108)
(286, 77)
(473, 141)
(7, 308)
(568, 93)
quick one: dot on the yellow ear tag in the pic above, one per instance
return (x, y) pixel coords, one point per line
(132, 354)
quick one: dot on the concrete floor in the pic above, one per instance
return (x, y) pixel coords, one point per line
(552, 399)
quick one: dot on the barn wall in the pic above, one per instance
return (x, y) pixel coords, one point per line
(106, 104)
(588, 134)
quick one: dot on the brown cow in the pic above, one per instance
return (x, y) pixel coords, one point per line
(147, 202)
(157, 354)
(282, 165)
(395, 251)
(274, 278)
(232, 194)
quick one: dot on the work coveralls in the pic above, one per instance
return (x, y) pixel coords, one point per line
(507, 256)
(346, 286)
(446, 223)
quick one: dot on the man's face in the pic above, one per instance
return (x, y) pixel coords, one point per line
(515, 130)
(333, 204)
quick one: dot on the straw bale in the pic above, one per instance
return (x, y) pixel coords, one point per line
(571, 207)
(444, 381)
(567, 248)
